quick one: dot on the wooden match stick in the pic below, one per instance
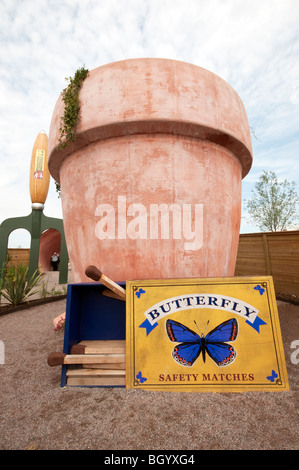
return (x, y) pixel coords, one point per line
(99, 347)
(94, 372)
(56, 359)
(59, 359)
(94, 273)
(110, 293)
(96, 381)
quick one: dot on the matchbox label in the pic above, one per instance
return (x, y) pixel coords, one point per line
(206, 335)
(39, 164)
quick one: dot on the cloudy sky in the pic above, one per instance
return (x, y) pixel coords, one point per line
(252, 44)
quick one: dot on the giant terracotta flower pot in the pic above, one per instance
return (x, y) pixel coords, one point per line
(151, 188)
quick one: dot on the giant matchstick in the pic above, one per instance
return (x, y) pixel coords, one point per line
(91, 352)
(59, 359)
(94, 273)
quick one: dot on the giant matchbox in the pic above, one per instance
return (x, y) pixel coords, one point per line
(94, 337)
(212, 334)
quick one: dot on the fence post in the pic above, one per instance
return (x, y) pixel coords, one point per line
(267, 257)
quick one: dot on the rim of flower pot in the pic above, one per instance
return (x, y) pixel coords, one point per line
(128, 121)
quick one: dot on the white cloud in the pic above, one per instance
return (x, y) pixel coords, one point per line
(253, 45)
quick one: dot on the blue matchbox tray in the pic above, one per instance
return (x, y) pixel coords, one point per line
(90, 315)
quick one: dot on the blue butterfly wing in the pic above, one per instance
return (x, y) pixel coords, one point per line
(222, 354)
(190, 348)
(226, 331)
(215, 342)
(179, 333)
(186, 353)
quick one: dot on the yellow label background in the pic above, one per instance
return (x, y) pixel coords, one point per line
(258, 353)
(39, 160)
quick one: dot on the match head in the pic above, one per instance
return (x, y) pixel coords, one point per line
(56, 359)
(93, 272)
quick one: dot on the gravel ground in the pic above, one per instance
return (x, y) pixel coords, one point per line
(36, 413)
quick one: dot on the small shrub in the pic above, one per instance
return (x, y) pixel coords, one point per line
(18, 288)
(71, 116)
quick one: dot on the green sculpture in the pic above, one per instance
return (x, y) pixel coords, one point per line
(36, 222)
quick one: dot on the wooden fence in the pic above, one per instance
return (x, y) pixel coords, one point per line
(17, 256)
(259, 254)
(271, 253)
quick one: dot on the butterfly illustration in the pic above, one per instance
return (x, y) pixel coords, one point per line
(260, 289)
(273, 376)
(139, 292)
(140, 378)
(214, 343)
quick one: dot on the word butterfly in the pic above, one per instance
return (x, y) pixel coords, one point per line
(214, 343)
